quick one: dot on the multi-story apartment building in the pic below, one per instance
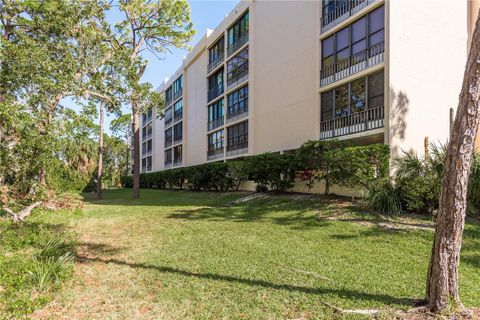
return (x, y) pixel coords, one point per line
(275, 74)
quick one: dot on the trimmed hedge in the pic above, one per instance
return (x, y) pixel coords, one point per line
(331, 161)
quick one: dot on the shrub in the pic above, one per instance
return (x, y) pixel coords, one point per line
(384, 197)
(338, 163)
(239, 172)
(276, 171)
(126, 181)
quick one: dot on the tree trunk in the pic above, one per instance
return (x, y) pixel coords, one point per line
(136, 150)
(100, 153)
(442, 283)
(127, 171)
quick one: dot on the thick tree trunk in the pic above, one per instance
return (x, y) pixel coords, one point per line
(136, 150)
(442, 283)
(100, 153)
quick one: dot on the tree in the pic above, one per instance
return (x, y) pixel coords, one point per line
(154, 26)
(122, 127)
(442, 279)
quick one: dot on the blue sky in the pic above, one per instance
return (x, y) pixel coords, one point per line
(204, 15)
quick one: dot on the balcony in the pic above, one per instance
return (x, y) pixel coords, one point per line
(359, 62)
(178, 115)
(353, 123)
(237, 114)
(237, 146)
(177, 140)
(237, 45)
(215, 92)
(215, 153)
(240, 78)
(342, 13)
(177, 95)
(215, 123)
(215, 63)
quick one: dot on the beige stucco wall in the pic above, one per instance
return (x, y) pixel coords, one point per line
(284, 86)
(427, 53)
(195, 111)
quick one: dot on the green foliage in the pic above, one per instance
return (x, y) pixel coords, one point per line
(23, 249)
(49, 269)
(336, 162)
(273, 170)
(384, 197)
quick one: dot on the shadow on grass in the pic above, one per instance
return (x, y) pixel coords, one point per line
(343, 293)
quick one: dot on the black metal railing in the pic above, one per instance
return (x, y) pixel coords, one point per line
(353, 123)
(177, 115)
(237, 44)
(214, 152)
(240, 75)
(356, 63)
(342, 12)
(237, 111)
(215, 63)
(177, 140)
(215, 123)
(215, 92)
(177, 94)
(237, 143)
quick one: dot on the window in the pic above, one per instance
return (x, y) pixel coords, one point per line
(169, 95)
(168, 156)
(355, 42)
(375, 90)
(215, 85)
(147, 116)
(358, 95)
(147, 147)
(177, 132)
(215, 53)
(168, 137)
(178, 110)
(237, 67)
(215, 140)
(177, 154)
(177, 87)
(168, 116)
(237, 136)
(238, 102)
(147, 131)
(147, 164)
(239, 30)
(216, 80)
(215, 115)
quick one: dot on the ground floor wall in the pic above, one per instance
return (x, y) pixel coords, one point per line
(318, 188)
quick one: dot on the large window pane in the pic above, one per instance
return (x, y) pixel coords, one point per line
(327, 106)
(327, 46)
(376, 90)
(357, 95)
(342, 39)
(376, 20)
(359, 30)
(341, 101)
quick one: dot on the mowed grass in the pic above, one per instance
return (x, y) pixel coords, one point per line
(186, 255)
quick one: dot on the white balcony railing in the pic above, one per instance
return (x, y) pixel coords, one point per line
(353, 123)
(356, 63)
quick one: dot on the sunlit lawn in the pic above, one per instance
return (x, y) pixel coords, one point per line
(185, 255)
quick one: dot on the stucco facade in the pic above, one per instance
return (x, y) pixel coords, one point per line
(275, 74)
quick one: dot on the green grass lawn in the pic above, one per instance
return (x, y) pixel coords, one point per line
(185, 255)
